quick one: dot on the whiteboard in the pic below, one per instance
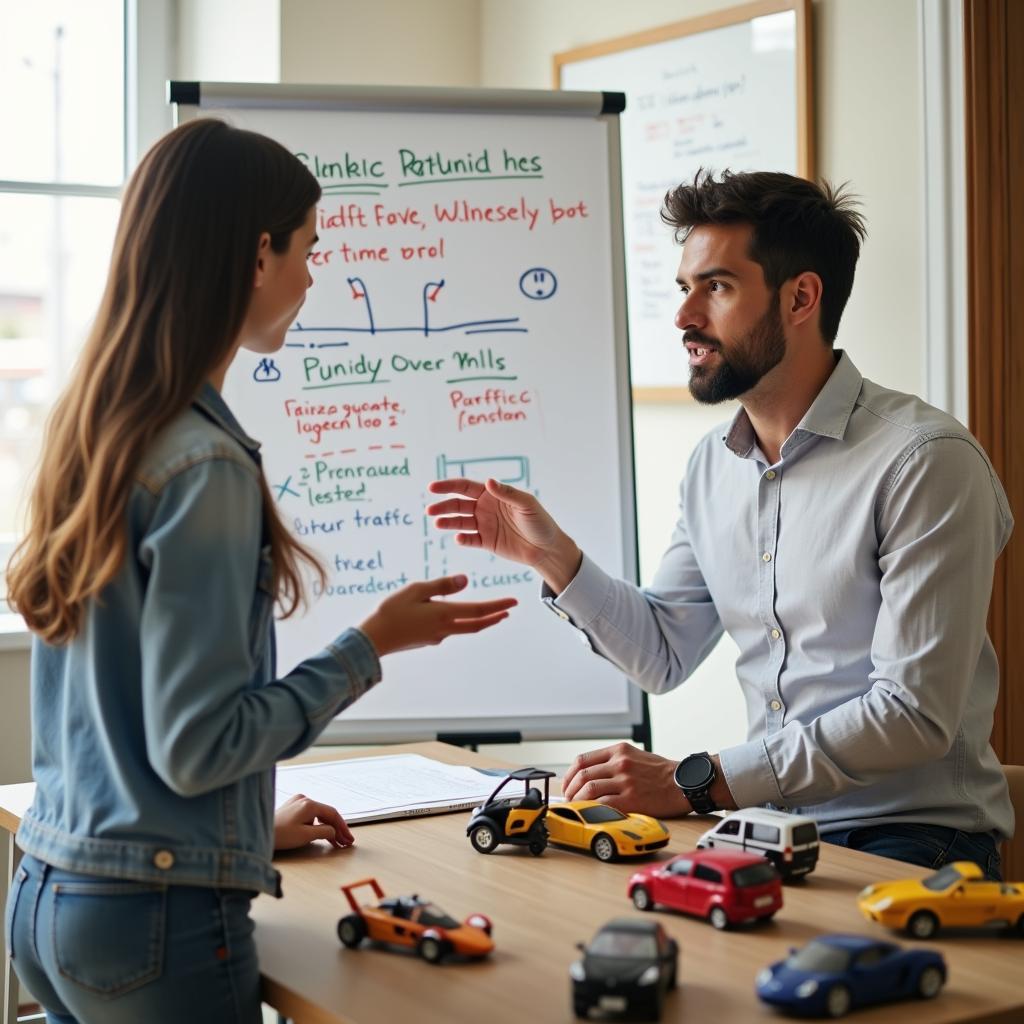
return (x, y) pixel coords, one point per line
(466, 318)
(722, 96)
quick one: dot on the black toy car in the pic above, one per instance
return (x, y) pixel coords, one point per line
(626, 971)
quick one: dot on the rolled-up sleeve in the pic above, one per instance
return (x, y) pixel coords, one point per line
(942, 520)
(656, 635)
(207, 722)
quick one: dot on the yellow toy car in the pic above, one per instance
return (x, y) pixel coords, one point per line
(604, 831)
(956, 896)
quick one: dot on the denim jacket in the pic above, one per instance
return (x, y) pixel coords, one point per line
(155, 731)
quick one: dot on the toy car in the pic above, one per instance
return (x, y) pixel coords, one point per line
(789, 841)
(726, 888)
(513, 819)
(836, 973)
(606, 832)
(626, 971)
(410, 921)
(956, 896)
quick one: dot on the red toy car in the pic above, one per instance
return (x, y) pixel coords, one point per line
(725, 887)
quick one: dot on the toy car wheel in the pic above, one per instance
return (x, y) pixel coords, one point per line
(922, 925)
(641, 898)
(580, 1007)
(537, 846)
(351, 930)
(484, 839)
(1020, 924)
(837, 1002)
(718, 918)
(432, 950)
(929, 982)
(603, 847)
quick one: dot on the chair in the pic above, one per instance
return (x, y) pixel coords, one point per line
(1013, 852)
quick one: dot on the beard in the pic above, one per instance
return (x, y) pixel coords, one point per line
(761, 349)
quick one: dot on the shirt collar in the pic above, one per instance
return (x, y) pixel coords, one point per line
(828, 416)
(209, 401)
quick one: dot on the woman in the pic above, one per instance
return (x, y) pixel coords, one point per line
(152, 560)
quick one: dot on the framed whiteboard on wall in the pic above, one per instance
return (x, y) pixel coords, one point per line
(731, 90)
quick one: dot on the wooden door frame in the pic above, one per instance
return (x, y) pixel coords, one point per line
(994, 136)
(994, 132)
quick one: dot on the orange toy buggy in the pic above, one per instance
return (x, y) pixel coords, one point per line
(410, 921)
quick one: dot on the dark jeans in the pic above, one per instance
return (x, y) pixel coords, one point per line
(930, 846)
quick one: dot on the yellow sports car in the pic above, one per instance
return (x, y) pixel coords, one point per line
(606, 832)
(957, 896)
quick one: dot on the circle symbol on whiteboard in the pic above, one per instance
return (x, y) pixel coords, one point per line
(538, 283)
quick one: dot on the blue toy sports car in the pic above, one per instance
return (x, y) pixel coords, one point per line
(836, 973)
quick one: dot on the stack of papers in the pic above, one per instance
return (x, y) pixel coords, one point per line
(393, 786)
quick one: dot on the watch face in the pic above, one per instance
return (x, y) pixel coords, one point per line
(695, 771)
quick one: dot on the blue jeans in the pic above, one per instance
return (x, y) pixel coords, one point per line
(930, 846)
(106, 951)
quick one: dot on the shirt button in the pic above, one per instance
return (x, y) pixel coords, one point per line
(775, 705)
(562, 615)
(776, 634)
(766, 557)
(163, 859)
(770, 474)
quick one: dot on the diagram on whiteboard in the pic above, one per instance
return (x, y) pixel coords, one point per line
(543, 281)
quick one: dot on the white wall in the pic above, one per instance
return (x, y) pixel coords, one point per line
(224, 41)
(383, 42)
(868, 131)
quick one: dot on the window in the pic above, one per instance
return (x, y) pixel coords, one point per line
(706, 874)
(680, 867)
(729, 827)
(566, 812)
(803, 835)
(599, 815)
(762, 833)
(756, 874)
(65, 145)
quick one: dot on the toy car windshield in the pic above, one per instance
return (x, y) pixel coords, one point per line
(820, 957)
(624, 944)
(942, 879)
(756, 874)
(431, 914)
(599, 815)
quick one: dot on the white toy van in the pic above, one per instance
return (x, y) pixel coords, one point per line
(789, 841)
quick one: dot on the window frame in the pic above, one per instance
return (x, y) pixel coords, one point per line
(149, 58)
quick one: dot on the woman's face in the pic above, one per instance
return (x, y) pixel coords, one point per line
(279, 289)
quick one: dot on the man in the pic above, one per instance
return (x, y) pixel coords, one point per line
(843, 534)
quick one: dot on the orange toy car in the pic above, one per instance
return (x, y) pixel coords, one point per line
(409, 921)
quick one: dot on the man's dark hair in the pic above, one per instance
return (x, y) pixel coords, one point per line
(798, 226)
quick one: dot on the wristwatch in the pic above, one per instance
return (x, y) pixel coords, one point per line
(694, 776)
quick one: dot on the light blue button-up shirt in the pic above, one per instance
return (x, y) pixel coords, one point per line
(854, 575)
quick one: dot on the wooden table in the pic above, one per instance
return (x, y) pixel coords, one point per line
(541, 907)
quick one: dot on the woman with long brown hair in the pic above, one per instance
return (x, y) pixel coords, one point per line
(152, 560)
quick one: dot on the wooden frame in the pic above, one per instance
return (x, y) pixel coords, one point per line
(707, 23)
(994, 111)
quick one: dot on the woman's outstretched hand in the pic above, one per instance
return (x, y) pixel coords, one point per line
(414, 617)
(508, 522)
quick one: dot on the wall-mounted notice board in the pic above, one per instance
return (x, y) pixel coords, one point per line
(467, 318)
(726, 90)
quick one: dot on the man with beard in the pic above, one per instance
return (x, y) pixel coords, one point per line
(842, 533)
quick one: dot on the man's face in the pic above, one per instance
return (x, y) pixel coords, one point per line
(729, 317)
